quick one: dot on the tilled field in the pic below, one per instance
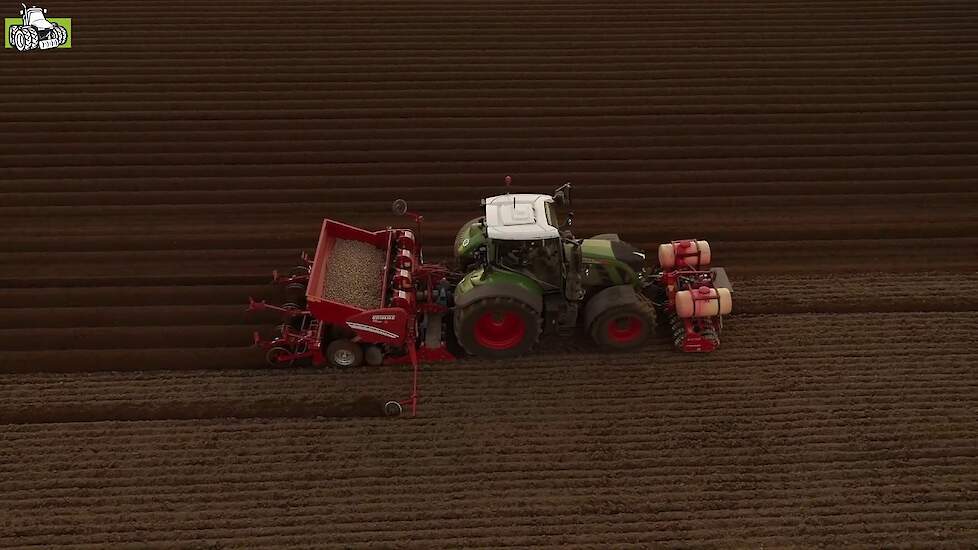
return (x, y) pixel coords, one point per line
(154, 174)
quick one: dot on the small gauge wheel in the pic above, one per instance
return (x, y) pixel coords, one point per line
(393, 408)
(275, 357)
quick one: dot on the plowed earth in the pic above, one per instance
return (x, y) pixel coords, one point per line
(155, 173)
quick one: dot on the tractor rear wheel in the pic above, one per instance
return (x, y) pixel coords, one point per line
(344, 354)
(623, 327)
(497, 327)
(26, 39)
(18, 39)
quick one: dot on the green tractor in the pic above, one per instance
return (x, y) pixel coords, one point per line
(526, 276)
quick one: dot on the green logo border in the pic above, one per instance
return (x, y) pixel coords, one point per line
(8, 21)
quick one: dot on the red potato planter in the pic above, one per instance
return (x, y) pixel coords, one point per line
(369, 297)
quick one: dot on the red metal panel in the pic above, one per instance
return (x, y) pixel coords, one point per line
(380, 326)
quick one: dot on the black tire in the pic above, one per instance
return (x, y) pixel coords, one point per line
(344, 354)
(497, 327)
(19, 39)
(393, 408)
(623, 327)
(295, 293)
(373, 356)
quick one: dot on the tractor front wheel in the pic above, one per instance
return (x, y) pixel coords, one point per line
(623, 327)
(344, 354)
(497, 327)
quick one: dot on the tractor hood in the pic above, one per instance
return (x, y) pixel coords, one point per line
(613, 251)
(469, 238)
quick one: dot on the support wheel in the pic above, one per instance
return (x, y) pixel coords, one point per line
(373, 355)
(344, 354)
(276, 357)
(623, 327)
(393, 408)
(497, 327)
(295, 295)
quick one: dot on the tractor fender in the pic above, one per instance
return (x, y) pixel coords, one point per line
(509, 290)
(610, 297)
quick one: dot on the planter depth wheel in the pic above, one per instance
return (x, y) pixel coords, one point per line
(393, 408)
(274, 357)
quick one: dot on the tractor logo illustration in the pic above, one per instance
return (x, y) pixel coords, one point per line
(37, 32)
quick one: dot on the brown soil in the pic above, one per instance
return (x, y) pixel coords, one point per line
(154, 174)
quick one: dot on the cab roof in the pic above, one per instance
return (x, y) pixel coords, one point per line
(519, 217)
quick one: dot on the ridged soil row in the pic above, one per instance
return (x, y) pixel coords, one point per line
(75, 311)
(170, 321)
(767, 356)
(160, 174)
(752, 479)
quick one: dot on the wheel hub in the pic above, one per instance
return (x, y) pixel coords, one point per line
(500, 329)
(344, 357)
(625, 328)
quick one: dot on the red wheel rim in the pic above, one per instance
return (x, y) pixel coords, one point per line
(625, 328)
(500, 329)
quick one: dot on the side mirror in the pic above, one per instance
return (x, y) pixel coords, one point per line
(399, 207)
(562, 195)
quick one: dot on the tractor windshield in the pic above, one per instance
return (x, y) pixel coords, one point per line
(35, 17)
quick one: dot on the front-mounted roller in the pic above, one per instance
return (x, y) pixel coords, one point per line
(693, 296)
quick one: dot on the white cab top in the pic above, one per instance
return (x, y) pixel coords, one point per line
(519, 217)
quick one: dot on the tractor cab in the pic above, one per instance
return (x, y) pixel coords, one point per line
(34, 16)
(522, 237)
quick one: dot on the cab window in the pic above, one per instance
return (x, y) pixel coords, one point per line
(539, 258)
